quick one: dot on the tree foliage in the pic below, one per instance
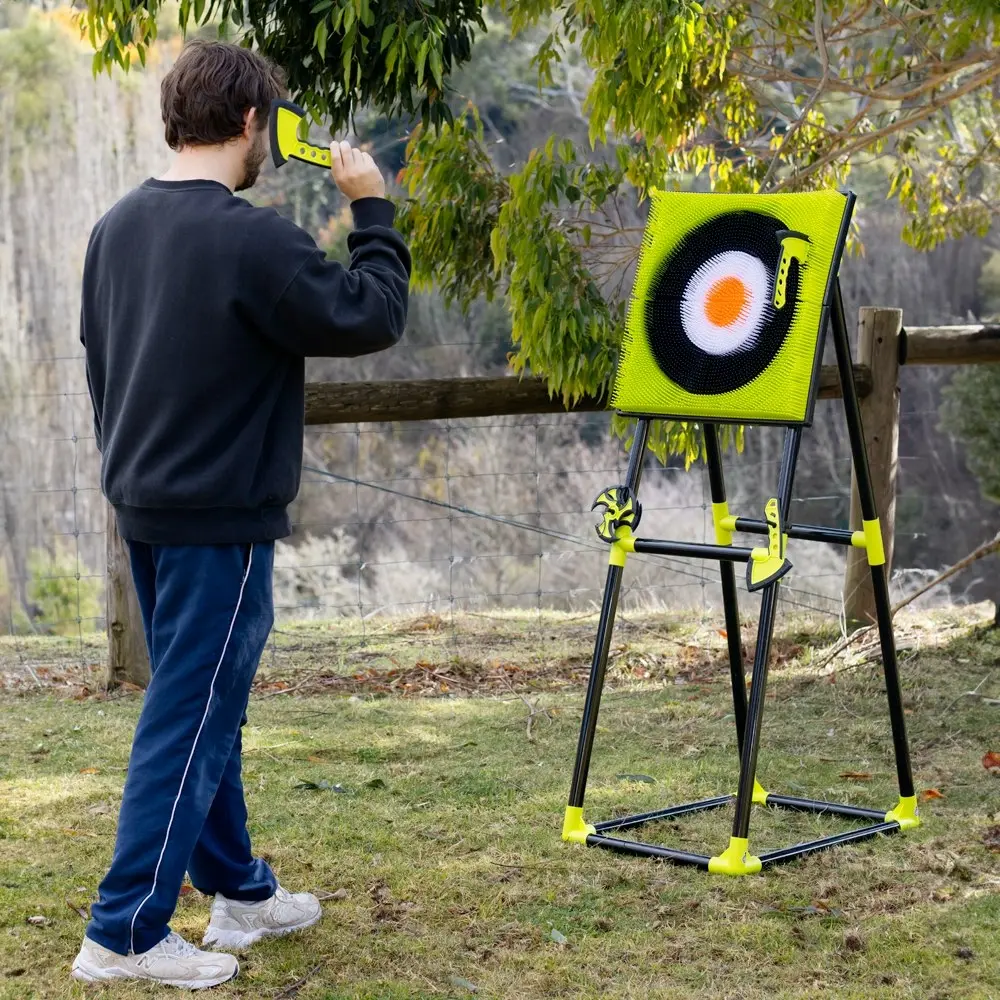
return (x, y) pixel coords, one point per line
(338, 54)
(728, 96)
(971, 407)
(970, 412)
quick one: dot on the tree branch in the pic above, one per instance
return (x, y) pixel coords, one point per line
(768, 74)
(824, 59)
(900, 125)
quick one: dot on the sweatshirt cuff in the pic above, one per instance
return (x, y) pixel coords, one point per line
(370, 212)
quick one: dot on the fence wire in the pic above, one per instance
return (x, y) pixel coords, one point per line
(441, 522)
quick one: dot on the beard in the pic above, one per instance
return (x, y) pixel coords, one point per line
(255, 157)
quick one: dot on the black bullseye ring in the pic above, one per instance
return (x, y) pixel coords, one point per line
(678, 357)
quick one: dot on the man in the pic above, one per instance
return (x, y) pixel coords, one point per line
(198, 311)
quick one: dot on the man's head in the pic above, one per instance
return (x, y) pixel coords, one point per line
(217, 95)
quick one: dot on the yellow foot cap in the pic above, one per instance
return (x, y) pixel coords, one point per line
(759, 795)
(574, 828)
(905, 814)
(736, 859)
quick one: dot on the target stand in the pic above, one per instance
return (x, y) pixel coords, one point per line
(732, 298)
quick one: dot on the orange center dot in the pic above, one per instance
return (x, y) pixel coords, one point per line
(726, 301)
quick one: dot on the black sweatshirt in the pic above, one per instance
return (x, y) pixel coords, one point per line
(198, 312)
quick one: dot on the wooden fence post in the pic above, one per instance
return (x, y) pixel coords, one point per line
(880, 331)
(128, 661)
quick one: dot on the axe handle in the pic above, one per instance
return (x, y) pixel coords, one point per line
(306, 152)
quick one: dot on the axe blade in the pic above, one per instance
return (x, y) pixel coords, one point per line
(283, 129)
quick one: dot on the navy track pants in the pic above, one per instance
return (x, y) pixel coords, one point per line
(207, 611)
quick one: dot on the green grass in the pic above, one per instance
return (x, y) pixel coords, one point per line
(447, 843)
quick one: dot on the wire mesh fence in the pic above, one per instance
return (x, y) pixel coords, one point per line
(493, 514)
(441, 522)
(446, 519)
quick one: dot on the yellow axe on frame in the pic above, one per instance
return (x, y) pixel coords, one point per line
(770, 564)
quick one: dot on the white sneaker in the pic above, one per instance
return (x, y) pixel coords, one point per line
(173, 962)
(236, 925)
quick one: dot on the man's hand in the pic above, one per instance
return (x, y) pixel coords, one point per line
(355, 172)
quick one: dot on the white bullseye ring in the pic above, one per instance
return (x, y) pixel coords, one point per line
(700, 303)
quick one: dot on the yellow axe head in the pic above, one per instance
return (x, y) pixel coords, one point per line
(770, 564)
(285, 122)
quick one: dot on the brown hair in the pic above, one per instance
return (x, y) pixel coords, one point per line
(208, 91)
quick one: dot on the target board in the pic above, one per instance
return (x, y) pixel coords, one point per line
(727, 311)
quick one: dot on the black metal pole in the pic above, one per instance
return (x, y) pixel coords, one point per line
(848, 837)
(805, 532)
(730, 599)
(765, 630)
(602, 644)
(794, 804)
(880, 585)
(670, 812)
(692, 550)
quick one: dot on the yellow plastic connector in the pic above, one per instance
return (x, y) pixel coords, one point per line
(873, 542)
(759, 794)
(905, 813)
(623, 544)
(574, 828)
(870, 539)
(724, 523)
(736, 859)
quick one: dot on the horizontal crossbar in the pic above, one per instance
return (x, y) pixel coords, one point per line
(850, 837)
(806, 532)
(648, 851)
(692, 550)
(625, 822)
(791, 802)
(815, 806)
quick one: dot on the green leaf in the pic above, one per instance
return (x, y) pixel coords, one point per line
(498, 244)
(319, 38)
(421, 60)
(346, 61)
(388, 35)
(437, 71)
(390, 59)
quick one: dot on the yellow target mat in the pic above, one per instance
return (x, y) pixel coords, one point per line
(728, 306)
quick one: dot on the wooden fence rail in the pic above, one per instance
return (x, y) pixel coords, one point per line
(884, 344)
(469, 398)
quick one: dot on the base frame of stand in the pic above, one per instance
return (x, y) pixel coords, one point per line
(601, 837)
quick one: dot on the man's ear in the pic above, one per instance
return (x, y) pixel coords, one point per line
(249, 123)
